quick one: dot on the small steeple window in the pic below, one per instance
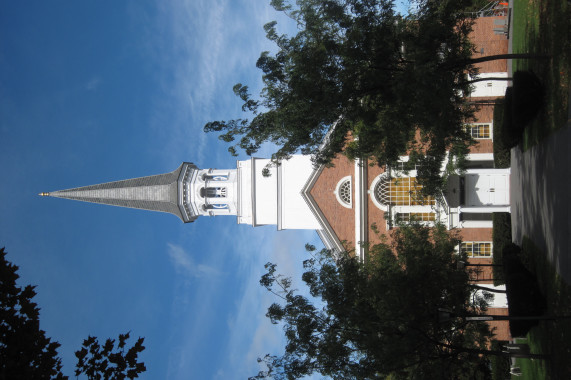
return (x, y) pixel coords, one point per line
(215, 207)
(217, 177)
(213, 192)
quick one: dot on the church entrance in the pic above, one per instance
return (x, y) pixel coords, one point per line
(486, 189)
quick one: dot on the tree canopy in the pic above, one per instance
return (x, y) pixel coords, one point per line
(357, 68)
(26, 352)
(107, 362)
(380, 318)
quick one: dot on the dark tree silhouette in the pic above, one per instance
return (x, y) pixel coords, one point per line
(26, 352)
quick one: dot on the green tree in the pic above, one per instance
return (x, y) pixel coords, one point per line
(358, 68)
(26, 352)
(380, 318)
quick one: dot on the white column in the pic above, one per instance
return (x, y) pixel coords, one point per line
(358, 202)
(488, 171)
(476, 224)
(480, 157)
(483, 209)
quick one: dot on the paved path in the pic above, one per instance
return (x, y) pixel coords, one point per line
(540, 192)
(541, 197)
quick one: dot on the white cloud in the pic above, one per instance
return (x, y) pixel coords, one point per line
(205, 47)
(185, 265)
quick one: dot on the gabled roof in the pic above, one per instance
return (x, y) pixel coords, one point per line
(326, 233)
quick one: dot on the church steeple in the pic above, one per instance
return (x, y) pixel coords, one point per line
(189, 192)
(163, 192)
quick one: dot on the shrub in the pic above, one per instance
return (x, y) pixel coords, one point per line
(522, 290)
(528, 98)
(501, 236)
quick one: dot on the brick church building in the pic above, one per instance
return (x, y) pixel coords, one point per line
(346, 202)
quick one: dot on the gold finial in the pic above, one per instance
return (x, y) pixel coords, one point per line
(44, 194)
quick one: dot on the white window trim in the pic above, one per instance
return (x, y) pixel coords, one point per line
(371, 191)
(491, 124)
(338, 187)
(475, 242)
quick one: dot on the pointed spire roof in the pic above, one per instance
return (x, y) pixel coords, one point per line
(162, 192)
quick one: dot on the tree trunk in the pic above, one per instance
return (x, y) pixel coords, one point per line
(507, 56)
(483, 103)
(486, 289)
(490, 352)
(490, 78)
(495, 57)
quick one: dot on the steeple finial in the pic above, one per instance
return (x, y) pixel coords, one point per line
(44, 194)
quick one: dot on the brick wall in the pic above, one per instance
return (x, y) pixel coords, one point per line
(375, 215)
(487, 43)
(484, 114)
(501, 329)
(341, 219)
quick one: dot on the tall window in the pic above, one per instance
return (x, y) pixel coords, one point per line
(403, 191)
(476, 248)
(404, 217)
(404, 166)
(480, 131)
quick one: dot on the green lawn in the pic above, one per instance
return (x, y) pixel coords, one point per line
(543, 27)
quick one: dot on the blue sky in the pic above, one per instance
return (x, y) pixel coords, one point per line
(92, 92)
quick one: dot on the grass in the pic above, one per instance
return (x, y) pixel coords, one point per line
(531, 370)
(548, 337)
(543, 27)
(500, 364)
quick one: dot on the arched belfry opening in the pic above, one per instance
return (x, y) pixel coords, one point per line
(213, 192)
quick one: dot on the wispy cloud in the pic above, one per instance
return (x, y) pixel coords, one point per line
(185, 265)
(251, 334)
(201, 58)
(93, 84)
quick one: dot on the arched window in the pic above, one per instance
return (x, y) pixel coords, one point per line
(400, 191)
(343, 192)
